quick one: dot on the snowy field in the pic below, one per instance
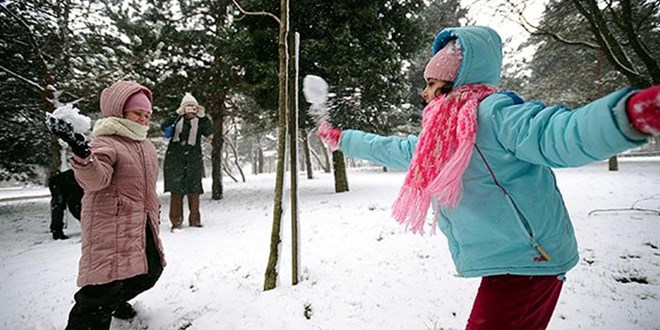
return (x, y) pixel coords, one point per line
(359, 269)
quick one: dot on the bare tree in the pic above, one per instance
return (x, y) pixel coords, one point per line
(616, 28)
(270, 280)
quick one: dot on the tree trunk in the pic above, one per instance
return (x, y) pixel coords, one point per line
(327, 166)
(341, 180)
(236, 162)
(253, 157)
(306, 154)
(218, 116)
(614, 163)
(270, 278)
(55, 148)
(324, 165)
(260, 158)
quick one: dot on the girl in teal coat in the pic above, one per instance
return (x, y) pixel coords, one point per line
(483, 162)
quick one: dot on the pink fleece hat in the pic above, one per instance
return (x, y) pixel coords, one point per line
(445, 63)
(138, 102)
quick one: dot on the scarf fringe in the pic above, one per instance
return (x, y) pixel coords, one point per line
(410, 208)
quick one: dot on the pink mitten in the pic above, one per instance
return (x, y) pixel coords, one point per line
(644, 110)
(328, 134)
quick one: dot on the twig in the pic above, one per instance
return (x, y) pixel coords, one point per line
(255, 13)
(632, 208)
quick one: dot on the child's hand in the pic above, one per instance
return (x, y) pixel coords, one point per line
(644, 110)
(64, 131)
(328, 134)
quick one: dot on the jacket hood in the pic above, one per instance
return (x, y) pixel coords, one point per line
(482, 54)
(114, 97)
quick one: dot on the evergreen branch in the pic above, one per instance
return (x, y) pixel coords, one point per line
(255, 13)
(38, 87)
(33, 43)
(35, 85)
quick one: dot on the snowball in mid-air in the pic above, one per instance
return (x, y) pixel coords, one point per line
(315, 89)
(71, 115)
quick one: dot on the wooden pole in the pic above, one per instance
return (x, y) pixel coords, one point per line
(294, 39)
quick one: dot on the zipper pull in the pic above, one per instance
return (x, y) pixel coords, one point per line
(544, 254)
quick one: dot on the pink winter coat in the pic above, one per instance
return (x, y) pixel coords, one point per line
(119, 179)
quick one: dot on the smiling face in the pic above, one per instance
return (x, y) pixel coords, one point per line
(434, 87)
(140, 117)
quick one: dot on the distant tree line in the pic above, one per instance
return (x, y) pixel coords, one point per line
(372, 54)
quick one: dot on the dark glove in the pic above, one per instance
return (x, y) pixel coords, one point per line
(644, 110)
(64, 131)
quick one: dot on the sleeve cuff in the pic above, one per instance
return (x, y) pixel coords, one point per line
(625, 125)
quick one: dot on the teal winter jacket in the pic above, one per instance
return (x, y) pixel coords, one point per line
(511, 218)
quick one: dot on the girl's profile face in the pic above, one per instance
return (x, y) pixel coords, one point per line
(433, 89)
(139, 117)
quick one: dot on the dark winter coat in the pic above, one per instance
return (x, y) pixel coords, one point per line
(65, 192)
(184, 164)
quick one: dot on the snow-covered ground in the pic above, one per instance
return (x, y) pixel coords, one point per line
(359, 269)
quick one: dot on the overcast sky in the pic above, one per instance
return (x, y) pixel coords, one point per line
(484, 12)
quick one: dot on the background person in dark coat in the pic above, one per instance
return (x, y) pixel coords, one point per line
(184, 164)
(65, 192)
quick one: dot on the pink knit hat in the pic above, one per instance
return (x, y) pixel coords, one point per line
(138, 102)
(114, 98)
(445, 63)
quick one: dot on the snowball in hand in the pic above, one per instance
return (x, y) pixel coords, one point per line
(71, 115)
(315, 90)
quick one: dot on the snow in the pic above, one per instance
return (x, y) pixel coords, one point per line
(360, 269)
(71, 115)
(315, 90)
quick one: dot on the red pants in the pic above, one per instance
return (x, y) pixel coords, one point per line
(514, 302)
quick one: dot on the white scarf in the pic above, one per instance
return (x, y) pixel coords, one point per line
(192, 135)
(120, 126)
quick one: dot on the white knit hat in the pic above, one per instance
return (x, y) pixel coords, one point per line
(187, 99)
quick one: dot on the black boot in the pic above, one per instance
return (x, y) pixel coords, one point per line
(125, 311)
(59, 235)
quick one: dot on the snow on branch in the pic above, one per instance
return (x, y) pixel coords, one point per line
(23, 79)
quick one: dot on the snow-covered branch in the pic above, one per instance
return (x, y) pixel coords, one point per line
(38, 87)
(33, 42)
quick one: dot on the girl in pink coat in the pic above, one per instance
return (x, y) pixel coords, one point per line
(122, 255)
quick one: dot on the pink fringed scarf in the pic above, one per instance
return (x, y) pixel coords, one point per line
(449, 127)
